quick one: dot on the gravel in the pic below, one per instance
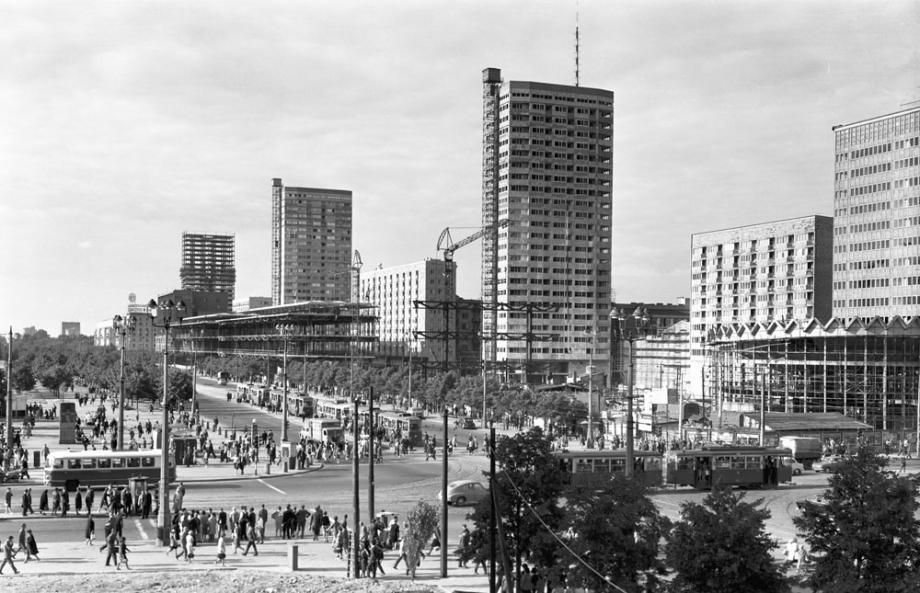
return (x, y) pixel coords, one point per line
(224, 581)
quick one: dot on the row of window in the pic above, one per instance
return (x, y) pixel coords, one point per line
(870, 189)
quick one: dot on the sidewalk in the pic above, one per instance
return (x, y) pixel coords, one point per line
(314, 558)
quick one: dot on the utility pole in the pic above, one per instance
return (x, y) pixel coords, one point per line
(444, 500)
(9, 398)
(356, 478)
(370, 452)
(493, 515)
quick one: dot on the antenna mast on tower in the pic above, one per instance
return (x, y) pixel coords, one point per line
(577, 73)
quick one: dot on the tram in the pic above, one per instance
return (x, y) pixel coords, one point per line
(592, 467)
(728, 465)
(71, 469)
(703, 468)
(325, 407)
(409, 427)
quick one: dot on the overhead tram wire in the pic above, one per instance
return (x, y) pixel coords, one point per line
(565, 546)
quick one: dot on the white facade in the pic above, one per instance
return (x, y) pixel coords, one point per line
(877, 217)
(394, 291)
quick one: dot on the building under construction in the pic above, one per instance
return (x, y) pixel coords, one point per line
(309, 330)
(866, 370)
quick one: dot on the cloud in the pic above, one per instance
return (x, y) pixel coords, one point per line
(85, 244)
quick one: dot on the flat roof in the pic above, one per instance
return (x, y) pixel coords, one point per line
(756, 224)
(870, 120)
(811, 421)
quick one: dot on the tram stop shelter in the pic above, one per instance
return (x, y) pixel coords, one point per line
(823, 425)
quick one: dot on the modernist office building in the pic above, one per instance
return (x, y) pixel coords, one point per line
(208, 263)
(311, 244)
(547, 171)
(773, 271)
(877, 217)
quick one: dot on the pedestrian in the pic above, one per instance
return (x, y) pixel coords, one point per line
(78, 502)
(31, 546)
(90, 532)
(22, 538)
(251, 540)
(88, 501)
(173, 543)
(9, 500)
(376, 558)
(43, 502)
(189, 546)
(8, 554)
(463, 545)
(903, 464)
(221, 549)
(122, 554)
(111, 547)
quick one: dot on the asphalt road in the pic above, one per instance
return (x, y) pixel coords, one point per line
(399, 482)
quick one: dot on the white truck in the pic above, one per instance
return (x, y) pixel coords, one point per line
(805, 450)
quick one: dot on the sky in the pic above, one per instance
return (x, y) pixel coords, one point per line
(126, 123)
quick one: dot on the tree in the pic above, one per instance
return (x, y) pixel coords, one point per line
(616, 529)
(421, 525)
(864, 536)
(180, 387)
(527, 489)
(721, 546)
(22, 377)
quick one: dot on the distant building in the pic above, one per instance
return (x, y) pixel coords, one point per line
(400, 325)
(877, 217)
(663, 356)
(208, 263)
(311, 244)
(772, 271)
(141, 337)
(547, 170)
(104, 333)
(197, 303)
(70, 328)
(243, 305)
(29, 331)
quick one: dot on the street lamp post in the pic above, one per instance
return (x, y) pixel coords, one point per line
(631, 328)
(590, 439)
(285, 329)
(122, 325)
(164, 315)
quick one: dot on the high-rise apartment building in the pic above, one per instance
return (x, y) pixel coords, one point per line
(311, 244)
(774, 271)
(393, 291)
(208, 263)
(546, 169)
(877, 217)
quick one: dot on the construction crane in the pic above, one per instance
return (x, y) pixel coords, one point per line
(355, 270)
(448, 246)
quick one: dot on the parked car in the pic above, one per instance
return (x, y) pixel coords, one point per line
(464, 492)
(828, 463)
(816, 499)
(468, 423)
(796, 466)
(12, 475)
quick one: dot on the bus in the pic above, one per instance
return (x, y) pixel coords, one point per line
(72, 469)
(592, 467)
(728, 465)
(324, 430)
(409, 426)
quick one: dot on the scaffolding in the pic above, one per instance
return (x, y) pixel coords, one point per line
(865, 370)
